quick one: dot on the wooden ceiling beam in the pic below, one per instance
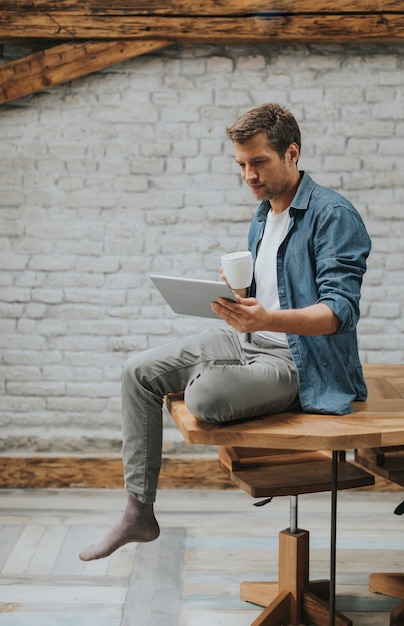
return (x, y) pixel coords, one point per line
(94, 34)
(185, 20)
(196, 8)
(319, 28)
(60, 64)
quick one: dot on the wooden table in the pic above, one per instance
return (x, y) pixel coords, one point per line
(378, 422)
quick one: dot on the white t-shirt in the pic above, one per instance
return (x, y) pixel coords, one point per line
(265, 268)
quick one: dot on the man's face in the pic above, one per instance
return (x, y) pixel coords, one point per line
(267, 174)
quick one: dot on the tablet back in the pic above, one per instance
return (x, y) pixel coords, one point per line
(191, 296)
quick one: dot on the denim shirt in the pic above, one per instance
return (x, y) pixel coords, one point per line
(322, 259)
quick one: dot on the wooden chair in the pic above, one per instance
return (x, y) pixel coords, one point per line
(273, 473)
(268, 473)
(387, 462)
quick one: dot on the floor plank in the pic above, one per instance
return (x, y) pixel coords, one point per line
(190, 576)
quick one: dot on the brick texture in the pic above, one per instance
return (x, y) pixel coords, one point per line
(129, 171)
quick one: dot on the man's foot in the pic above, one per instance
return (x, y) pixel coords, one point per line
(137, 524)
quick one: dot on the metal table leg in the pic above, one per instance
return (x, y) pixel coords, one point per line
(333, 545)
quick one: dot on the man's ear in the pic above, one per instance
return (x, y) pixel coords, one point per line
(293, 153)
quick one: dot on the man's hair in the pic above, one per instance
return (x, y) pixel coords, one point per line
(275, 121)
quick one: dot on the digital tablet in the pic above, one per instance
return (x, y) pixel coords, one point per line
(192, 296)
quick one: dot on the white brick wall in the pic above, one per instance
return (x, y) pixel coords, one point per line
(129, 171)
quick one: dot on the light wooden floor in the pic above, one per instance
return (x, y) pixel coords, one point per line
(210, 542)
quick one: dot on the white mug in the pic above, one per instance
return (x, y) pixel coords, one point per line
(238, 269)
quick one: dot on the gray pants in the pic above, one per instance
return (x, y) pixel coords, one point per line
(225, 377)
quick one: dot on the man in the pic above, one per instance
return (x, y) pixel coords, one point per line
(291, 340)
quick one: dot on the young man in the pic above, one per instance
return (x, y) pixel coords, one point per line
(291, 340)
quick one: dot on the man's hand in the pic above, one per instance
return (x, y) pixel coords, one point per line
(240, 292)
(245, 316)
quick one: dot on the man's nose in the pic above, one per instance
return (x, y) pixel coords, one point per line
(250, 173)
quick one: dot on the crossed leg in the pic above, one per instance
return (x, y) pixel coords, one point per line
(224, 379)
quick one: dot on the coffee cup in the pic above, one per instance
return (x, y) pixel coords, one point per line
(238, 269)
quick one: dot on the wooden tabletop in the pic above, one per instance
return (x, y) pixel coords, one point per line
(377, 422)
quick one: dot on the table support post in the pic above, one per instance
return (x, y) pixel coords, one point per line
(333, 545)
(293, 523)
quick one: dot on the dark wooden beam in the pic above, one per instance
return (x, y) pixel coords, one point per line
(60, 64)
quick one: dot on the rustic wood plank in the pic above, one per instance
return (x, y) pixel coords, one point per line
(65, 62)
(208, 7)
(233, 21)
(41, 472)
(105, 473)
(272, 28)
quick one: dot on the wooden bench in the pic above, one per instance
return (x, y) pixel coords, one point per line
(250, 451)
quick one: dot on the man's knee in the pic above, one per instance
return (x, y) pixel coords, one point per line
(129, 366)
(134, 368)
(206, 399)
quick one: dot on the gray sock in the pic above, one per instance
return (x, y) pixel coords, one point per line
(137, 524)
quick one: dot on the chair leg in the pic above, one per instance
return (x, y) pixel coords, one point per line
(316, 611)
(397, 616)
(294, 568)
(388, 584)
(294, 599)
(277, 613)
(286, 595)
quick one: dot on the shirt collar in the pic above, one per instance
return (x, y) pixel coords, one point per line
(300, 201)
(303, 193)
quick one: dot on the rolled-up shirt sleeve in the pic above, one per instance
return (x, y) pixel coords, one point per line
(341, 247)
